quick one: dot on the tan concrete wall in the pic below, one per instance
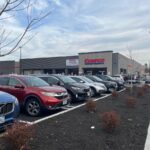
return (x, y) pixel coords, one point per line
(132, 66)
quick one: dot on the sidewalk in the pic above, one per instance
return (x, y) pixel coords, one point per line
(147, 142)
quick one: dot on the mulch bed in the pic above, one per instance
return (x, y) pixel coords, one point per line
(72, 130)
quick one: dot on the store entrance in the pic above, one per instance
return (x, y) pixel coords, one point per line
(94, 71)
(73, 71)
(48, 71)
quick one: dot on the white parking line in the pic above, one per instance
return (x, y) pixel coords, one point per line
(23, 121)
(70, 109)
(65, 111)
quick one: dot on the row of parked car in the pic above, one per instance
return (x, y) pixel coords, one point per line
(36, 93)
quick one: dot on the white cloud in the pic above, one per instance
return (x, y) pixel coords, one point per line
(40, 4)
(78, 26)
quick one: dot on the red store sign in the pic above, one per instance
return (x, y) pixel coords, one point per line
(94, 61)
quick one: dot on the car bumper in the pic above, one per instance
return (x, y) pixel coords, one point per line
(7, 122)
(120, 86)
(82, 96)
(58, 104)
(112, 88)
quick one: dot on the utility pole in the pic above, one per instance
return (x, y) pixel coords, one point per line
(20, 48)
(149, 68)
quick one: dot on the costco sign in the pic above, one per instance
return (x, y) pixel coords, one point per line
(94, 61)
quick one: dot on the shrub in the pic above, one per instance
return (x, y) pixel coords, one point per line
(18, 135)
(131, 102)
(140, 92)
(90, 106)
(110, 120)
(114, 94)
(145, 87)
(128, 89)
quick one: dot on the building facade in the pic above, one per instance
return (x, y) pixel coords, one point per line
(101, 62)
(9, 67)
(95, 62)
(58, 65)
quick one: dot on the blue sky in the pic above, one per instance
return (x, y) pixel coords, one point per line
(88, 25)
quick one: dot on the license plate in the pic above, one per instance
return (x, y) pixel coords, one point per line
(2, 119)
(65, 102)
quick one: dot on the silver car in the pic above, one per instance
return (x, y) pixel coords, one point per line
(96, 87)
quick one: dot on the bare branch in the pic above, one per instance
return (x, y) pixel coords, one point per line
(32, 23)
(15, 6)
(4, 8)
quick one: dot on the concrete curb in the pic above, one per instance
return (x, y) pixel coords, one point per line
(147, 142)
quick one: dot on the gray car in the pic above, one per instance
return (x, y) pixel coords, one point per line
(96, 87)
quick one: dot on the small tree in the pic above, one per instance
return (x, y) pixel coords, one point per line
(114, 94)
(90, 106)
(32, 16)
(131, 102)
(17, 136)
(110, 120)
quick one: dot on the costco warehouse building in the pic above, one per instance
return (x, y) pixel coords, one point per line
(102, 62)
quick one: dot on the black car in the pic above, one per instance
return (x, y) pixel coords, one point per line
(76, 91)
(110, 85)
(120, 84)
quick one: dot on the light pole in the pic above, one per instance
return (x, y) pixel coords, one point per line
(132, 65)
(20, 59)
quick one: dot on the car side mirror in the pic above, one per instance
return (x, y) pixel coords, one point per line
(82, 81)
(19, 86)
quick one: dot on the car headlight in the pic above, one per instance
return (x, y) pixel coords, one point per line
(16, 101)
(75, 88)
(120, 82)
(49, 94)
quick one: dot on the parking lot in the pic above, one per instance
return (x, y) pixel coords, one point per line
(23, 117)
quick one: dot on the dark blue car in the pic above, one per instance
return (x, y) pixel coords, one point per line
(9, 109)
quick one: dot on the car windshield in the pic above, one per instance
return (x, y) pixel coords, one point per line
(103, 77)
(109, 77)
(116, 78)
(34, 81)
(96, 78)
(67, 79)
(87, 79)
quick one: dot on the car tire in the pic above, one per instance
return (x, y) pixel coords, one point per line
(93, 92)
(33, 106)
(71, 97)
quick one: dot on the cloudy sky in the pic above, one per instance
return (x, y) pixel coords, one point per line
(86, 25)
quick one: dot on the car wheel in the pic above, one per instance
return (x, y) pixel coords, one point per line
(93, 92)
(33, 106)
(71, 98)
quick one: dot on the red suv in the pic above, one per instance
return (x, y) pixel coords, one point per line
(33, 93)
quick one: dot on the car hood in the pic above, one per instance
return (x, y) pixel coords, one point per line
(119, 82)
(95, 84)
(51, 89)
(98, 84)
(80, 85)
(5, 97)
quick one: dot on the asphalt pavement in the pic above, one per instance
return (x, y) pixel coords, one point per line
(23, 117)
